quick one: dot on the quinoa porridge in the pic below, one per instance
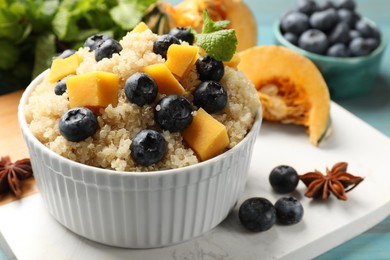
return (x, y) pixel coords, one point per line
(109, 147)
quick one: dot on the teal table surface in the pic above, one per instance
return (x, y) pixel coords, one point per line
(374, 108)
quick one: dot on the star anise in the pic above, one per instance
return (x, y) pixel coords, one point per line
(337, 181)
(11, 174)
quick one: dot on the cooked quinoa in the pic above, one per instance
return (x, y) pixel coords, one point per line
(109, 147)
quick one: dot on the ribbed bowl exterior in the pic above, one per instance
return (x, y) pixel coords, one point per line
(138, 210)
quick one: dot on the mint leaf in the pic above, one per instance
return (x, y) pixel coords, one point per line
(210, 26)
(124, 15)
(221, 45)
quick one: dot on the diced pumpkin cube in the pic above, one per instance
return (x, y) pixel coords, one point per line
(166, 82)
(206, 135)
(180, 59)
(233, 62)
(140, 27)
(62, 67)
(94, 90)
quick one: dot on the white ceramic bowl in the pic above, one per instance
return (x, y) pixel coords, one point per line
(138, 210)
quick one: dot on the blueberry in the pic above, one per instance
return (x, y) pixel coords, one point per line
(288, 211)
(354, 34)
(209, 68)
(183, 34)
(372, 43)
(211, 96)
(162, 43)
(359, 47)
(339, 34)
(94, 41)
(338, 50)
(348, 17)
(313, 40)
(257, 214)
(324, 5)
(347, 4)
(148, 147)
(106, 49)
(283, 179)
(60, 87)
(307, 6)
(366, 29)
(295, 22)
(292, 38)
(66, 53)
(77, 124)
(140, 89)
(173, 113)
(324, 20)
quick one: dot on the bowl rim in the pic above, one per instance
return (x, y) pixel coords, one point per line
(383, 43)
(26, 131)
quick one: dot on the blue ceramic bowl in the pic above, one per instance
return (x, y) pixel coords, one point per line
(345, 77)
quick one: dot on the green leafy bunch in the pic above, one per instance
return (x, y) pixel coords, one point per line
(33, 31)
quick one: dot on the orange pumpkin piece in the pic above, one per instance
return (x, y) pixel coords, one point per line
(140, 27)
(94, 90)
(206, 136)
(62, 67)
(290, 87)
(166, 82)
(180, 59)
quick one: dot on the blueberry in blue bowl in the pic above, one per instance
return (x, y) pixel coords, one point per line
(345, 46)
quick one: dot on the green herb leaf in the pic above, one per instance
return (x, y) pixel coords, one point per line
(210, 26)
(9, 54)
(44, 52)
(221, 45)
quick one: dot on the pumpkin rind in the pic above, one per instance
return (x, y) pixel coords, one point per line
(291, 88)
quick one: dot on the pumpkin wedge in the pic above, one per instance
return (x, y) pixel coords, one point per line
(190, 13)
(290, 87)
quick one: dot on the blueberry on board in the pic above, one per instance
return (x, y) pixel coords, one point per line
(295, 22)
(106, 49)
(60, 87)
(366, 29)
(211, 96)
(162, 43)
(339, 34)
(347, 4)
(313, 40)
(324, 20)
(359, 47)
(77, 124)
(324, 5)
(283, 179)
(338, 50)
(148, 147)
(173, 113)
(140, 89)
(354, 34)
(292, 38)
(209, 68)
(94, 41)
(288, 211)
(307, 6)
(257, 214)
(183, 34)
